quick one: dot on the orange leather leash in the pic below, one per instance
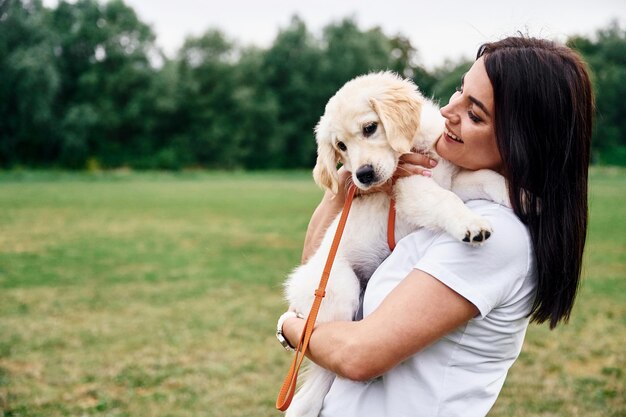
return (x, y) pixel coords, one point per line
(391, 225)
(288, 389)
(289, 385)
(391, 221)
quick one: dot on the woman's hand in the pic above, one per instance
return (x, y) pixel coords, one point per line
(414, 164)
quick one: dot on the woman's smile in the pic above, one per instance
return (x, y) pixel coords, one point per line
(451, 136)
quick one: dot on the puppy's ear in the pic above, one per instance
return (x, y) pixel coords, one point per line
(399, 111)
(325, 170)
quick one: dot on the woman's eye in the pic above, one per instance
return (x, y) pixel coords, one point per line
(458, 88)
(473, 117)
(369, 129)
(342, 146)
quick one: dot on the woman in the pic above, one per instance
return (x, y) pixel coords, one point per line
(444, 321)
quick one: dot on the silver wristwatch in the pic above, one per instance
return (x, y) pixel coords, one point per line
(279, 329)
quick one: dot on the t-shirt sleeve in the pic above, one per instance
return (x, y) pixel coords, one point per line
(485, 275)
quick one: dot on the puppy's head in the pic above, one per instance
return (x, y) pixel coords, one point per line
(366, 126)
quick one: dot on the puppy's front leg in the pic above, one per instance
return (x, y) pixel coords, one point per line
(482, 184)
(423, 203)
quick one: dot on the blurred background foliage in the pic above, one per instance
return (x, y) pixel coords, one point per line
(84, 85)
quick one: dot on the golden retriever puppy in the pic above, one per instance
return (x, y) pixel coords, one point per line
(367, 125)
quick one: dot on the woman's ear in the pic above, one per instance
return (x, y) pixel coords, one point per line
(399, 112)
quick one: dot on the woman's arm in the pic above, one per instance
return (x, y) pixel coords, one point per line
(419, 311)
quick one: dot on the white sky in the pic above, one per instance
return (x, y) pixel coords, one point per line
(439, 29)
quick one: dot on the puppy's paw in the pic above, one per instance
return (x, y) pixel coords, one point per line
(477, 238)
(473, 229)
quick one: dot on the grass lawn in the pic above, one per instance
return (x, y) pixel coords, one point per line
(153, 294)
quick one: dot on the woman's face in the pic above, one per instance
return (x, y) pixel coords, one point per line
(469, 139)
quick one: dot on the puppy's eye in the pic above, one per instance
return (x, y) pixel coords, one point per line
(369, 129)
(342, 146)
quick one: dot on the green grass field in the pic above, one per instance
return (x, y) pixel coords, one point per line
(126, 294)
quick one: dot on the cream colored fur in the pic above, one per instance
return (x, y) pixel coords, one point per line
(406, 120)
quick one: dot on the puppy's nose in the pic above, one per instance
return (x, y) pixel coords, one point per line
(366, 174)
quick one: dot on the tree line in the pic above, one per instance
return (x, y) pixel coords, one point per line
(84, 85)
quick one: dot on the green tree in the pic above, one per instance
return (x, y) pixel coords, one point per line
(161, 146)
(103, 58)
(404, 61)
(292, 72)
(207, 107)
(85, 81)
(257, 112)
(606, 55)
(350, 52)
(29, 85)
(448, 79)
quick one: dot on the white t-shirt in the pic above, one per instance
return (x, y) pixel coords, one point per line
(462, 373)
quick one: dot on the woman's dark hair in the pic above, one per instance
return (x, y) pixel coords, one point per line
(543, 118)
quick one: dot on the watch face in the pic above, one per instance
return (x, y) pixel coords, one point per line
(283, 341)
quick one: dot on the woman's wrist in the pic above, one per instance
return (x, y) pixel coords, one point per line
(292, 330)
(280, 329)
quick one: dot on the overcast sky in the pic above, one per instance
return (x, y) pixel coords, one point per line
(439, 29)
